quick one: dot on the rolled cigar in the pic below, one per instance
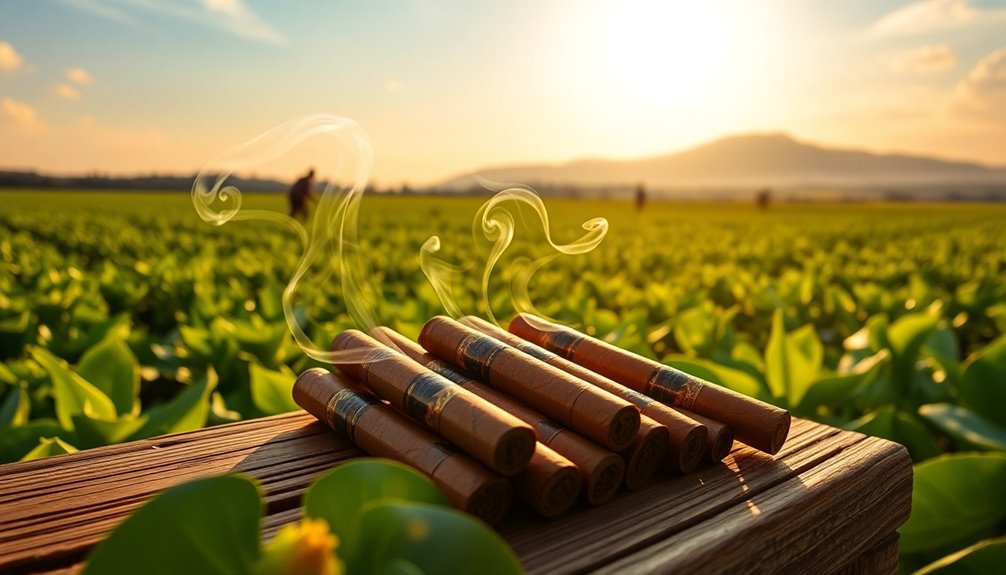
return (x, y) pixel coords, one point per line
(587, 410)
(479, 428)
(646, 452)
(550, 483)
(720, 439)
(686, 436)
(382, 432)
(754, 422)
(602, 470)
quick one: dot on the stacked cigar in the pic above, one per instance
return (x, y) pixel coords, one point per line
(541, 411)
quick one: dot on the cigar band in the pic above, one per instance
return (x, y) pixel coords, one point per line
(371, 357)
(547, 430)
(426, 396)
(477, 352)
(562, 342)
(537, 352)
(674, 387)
(344, 409)
(447, 371)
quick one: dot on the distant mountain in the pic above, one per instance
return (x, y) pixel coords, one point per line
(748, 162)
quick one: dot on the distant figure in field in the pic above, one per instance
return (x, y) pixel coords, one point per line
(640, 197)
(300, 192)
(763, 198)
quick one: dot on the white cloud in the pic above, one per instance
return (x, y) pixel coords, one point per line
(983, 93)
(79, 76)
(10, 60)
(22, 114)
(925, 59)
(934, 16)
(233, 16)
(66, 91)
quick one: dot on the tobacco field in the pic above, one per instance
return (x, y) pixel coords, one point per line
(123, 316)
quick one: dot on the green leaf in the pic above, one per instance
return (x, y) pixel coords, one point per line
(969, 429)
(186, 412)
(15, 409)
(983, 384)
(73, 394)
(15, 442)
(982, 558)
(728, 377)
(954, 499)
(204, 527)
(47, 447)
(111, 366)
(434, 539)
(792, 361)
(341, 495)
(901, 427)
(907, 335)
(272, 391)
(839, 390)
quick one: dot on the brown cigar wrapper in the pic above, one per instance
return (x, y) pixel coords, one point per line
(720, 440)
(686, 436)
(479, 428)
(754, 422)
(591, 412)
(382, 432)
(550, 483)
(602, 471)
(648, 450)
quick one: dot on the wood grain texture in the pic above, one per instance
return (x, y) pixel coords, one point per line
(823, 504)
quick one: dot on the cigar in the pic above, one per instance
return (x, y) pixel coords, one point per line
(686, 436)
(720, 438)
(754, 422)
(479, 428)
(587, 410)
(550, 483)
(602, 471)
(382, 432)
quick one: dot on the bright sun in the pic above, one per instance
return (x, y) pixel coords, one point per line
(671, 52)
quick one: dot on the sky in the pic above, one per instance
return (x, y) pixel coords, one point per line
(140, 86)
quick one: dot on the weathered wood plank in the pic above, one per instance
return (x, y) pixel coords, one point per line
(52, 511)
(812, 522)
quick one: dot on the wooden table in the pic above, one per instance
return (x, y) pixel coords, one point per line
(830, 502)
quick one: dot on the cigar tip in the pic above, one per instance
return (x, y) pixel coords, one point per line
(606, 479)
(692, 449)
(560, 491)
(646, 455)
(781, 433)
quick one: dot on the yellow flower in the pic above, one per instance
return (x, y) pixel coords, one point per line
(305, 548)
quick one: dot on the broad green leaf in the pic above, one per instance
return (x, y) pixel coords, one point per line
(15, 409)
(900, 427)
(908, 333)
(47, 447)
(73, 394)
(6, 375)
(954, 499)
(204, 527)
(983, 558)
(111, 366)
(434, 539)
(90, 432)
(983, 384)
(792, 361)
(969, 429)
(839, 390)
(15, 442)
(341, 495)
(728, 377)
(186, 412)
(272, 391)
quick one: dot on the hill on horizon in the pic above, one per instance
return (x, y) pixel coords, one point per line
(747, 161)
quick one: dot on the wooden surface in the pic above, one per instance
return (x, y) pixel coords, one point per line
(829, 502)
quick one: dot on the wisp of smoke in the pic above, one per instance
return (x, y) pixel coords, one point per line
(331, 245)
